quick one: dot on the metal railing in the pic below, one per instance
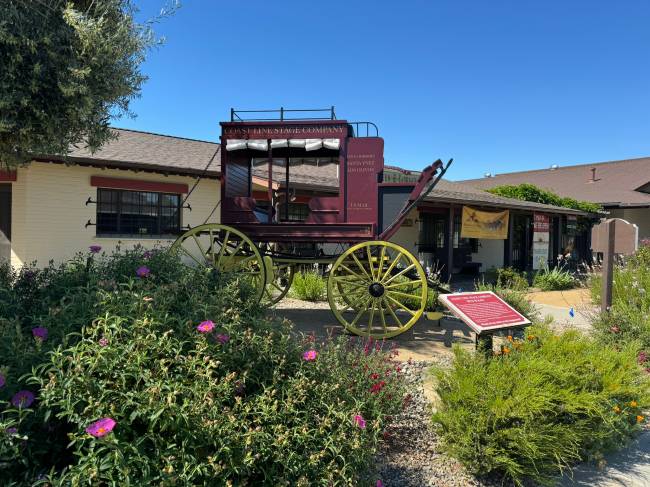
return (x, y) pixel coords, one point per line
(359, 128)
(282, 114)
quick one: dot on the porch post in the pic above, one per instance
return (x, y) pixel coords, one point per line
(449, 241)
(507, 258)
(270, 183)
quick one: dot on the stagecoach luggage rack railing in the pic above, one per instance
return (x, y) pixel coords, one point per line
(282, 114)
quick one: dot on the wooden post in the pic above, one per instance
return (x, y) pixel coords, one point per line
(270, 183)
(450, 243)
(608, 266)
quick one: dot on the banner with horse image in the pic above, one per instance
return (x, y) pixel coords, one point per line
(484, 224)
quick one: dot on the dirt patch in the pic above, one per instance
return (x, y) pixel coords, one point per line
(571, 298)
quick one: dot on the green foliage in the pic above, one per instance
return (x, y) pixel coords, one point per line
(191, 408)
(629, 317)
(555, 279)
(309, 286)
(541, 405)
(67, 68)
(515, 298)
(508, 277)
(530, 192)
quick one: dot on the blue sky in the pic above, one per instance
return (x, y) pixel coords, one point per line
(498, 86)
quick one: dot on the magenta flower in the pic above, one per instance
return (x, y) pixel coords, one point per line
(310, 355)
(101, 427)
(642, 357)
(103, 342)
(379, 483)
(147, 254)
(3, 381)
(22, 399)
(359, 421)
(40, 333)
(143, 271)
(95, 249)
(205, 326)
(223, 339)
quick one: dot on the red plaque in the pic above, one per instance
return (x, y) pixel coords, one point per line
(483, 311)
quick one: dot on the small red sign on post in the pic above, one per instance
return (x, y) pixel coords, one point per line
(483, 311)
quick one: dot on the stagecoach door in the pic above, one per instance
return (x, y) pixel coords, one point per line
(5, 222)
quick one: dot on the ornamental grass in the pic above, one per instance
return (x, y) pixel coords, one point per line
(547, 403)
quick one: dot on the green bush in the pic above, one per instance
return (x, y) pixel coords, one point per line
(510, 278)
(543, 404)
(530, 192)
(556, 279)
(240, 405)
(516, 299)
(309, 286)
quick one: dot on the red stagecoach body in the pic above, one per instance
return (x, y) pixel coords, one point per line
(364, 208)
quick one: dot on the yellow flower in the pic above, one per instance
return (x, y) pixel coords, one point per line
(617, 409)
(633, 404)
(639, 419)
(510, 338)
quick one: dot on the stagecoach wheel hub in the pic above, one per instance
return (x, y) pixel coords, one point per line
(376, 290)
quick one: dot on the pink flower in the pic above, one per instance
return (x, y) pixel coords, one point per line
(3, 381)
(103, 342)
(359, 421)
(205, 326)
(642, 357)
(310, 355)
(101, 427)
(147, 254)
(22, 399)
(40, 333)
(95, 249)
(143, 271)
(223, 339)
(379, 483)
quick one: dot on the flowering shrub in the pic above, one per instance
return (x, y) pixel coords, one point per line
(516, 299)
(309, 286)
(571, 399)
(178, 379)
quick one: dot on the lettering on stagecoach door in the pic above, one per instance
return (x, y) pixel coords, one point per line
(365, 162)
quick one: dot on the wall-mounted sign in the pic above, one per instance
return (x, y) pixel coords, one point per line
(483, 311)
(541, 240)
(484, 224)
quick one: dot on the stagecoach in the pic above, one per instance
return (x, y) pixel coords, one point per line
(374, 287)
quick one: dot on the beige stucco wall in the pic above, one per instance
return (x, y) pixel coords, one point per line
(49, 211)
(639, 216)
(408, 237)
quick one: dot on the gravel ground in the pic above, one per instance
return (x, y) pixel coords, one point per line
(412, 456)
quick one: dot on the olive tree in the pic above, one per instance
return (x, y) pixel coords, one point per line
(66, 69)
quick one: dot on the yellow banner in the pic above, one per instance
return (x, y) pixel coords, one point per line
(484, 224)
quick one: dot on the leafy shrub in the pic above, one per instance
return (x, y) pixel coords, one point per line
(241, 404)
(516, 299)
(555, 279)
(309, 286)
(510, 278)
(574, 400)
(530, 192)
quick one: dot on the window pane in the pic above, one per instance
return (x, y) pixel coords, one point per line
(107, 209)
(139, 215)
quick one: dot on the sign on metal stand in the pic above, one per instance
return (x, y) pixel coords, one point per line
(485, 313)
(611, 237)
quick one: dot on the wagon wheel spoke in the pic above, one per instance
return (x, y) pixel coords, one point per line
(400, 305)
(360, 313)
(404, 295)
(370, 265)
(360, 267)
(401, 284)
(381, 315)
(380, 267)
(391, 267)
(222, 249)
(400, 273)
(343, 266)
(189, 254)
(390, 310)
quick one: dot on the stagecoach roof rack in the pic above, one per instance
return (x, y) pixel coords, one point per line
(282, 114)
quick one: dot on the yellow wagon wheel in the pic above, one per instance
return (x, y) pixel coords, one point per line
(377, 289)
(225, 249)
(279, 283)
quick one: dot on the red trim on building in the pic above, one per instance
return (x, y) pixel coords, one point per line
(138, 185)
(8, 176)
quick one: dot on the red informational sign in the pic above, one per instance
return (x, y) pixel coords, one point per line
(483, 311)
(541, 223)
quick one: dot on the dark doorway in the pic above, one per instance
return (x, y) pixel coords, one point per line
(5, 222)
(522, 239)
